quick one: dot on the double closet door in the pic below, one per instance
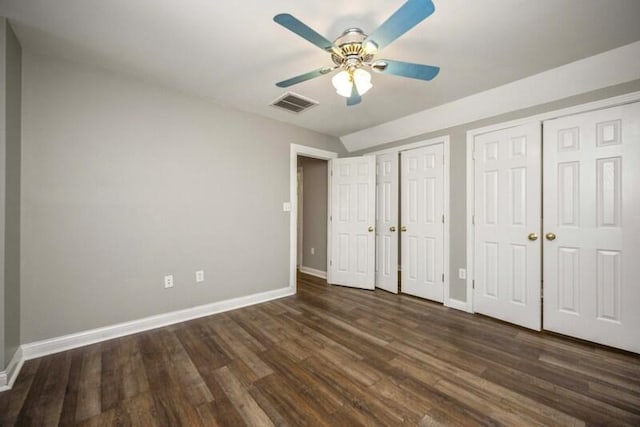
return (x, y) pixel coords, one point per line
(410, 221)
(561, 255)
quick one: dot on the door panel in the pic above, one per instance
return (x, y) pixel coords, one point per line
(422, 215)
(592, 207)
(353, 202)
(387, 222)
(507, 209)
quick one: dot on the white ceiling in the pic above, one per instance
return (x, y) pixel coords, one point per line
(233, 53)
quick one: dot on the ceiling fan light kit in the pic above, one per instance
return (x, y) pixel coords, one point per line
(353, 52)
(345, 79)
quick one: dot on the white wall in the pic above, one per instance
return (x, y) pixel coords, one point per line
(125, 182)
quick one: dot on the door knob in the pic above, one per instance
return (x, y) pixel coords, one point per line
(370, 229)
(550, 236)
(403, 228)
(392, 229)
(532, 236)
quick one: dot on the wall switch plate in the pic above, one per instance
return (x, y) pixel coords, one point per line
(168, 281)
(286, 207)
(462, 273)
(313, 251)
(199, 276)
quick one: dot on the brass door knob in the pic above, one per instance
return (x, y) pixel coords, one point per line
(370, 229)
(532, 236)
(550, 236)
(392, 229)
(403, 228)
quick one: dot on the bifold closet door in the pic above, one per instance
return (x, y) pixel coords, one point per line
(352, 221)
(422, 227)
(592, 226)
(507, 221)
(387, 222)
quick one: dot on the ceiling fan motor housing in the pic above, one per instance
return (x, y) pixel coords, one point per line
(350, 45)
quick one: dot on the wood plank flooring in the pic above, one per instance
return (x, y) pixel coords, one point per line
(331, 356)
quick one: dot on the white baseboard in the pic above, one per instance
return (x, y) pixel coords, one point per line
(457, 304)
(9, 375)
(313, 272)
(67, 342)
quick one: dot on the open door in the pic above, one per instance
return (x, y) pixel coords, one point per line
(387, 222)
(352, 222)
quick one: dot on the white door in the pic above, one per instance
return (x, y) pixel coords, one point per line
(507, 211)
(387, 222)
(592, 208)
(422, 230)
(353, 205)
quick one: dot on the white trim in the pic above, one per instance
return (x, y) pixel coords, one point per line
(411, 146)
(329, 184)
(609, 68)
(627, 98)
(313, 272)
(9, 375)
(457, 304)
(444, 140)
(471, 134)
(469, 220)
(315, 153)
(92, 336)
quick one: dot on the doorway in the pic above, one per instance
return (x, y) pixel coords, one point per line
(292, 206)
(312, 216)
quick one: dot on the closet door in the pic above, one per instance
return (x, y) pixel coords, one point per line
(592, 226)
(387, 222)
(422, 227)
(353, 210)
(507, 211)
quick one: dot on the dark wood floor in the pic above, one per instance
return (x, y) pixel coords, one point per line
(331, 356)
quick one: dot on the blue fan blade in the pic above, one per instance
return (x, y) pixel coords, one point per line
(304, 77)
(407, 69)
(294, 25)
(355, 97)
(408, 16)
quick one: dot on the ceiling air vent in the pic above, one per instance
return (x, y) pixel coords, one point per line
(294, 103)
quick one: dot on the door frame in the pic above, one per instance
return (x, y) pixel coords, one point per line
(448, 301)
(470, 171)
(316, 153)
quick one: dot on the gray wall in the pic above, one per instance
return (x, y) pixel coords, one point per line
(125, 182)
(3, 168)
(314, 211)
(458, 193)
(12, 195)
(10, 109)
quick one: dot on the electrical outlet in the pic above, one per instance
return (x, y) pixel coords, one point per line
(199, 276)
(313, 251)
(168, 281)
(462, 273)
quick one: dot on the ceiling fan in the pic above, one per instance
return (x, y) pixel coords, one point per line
(353, 52)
